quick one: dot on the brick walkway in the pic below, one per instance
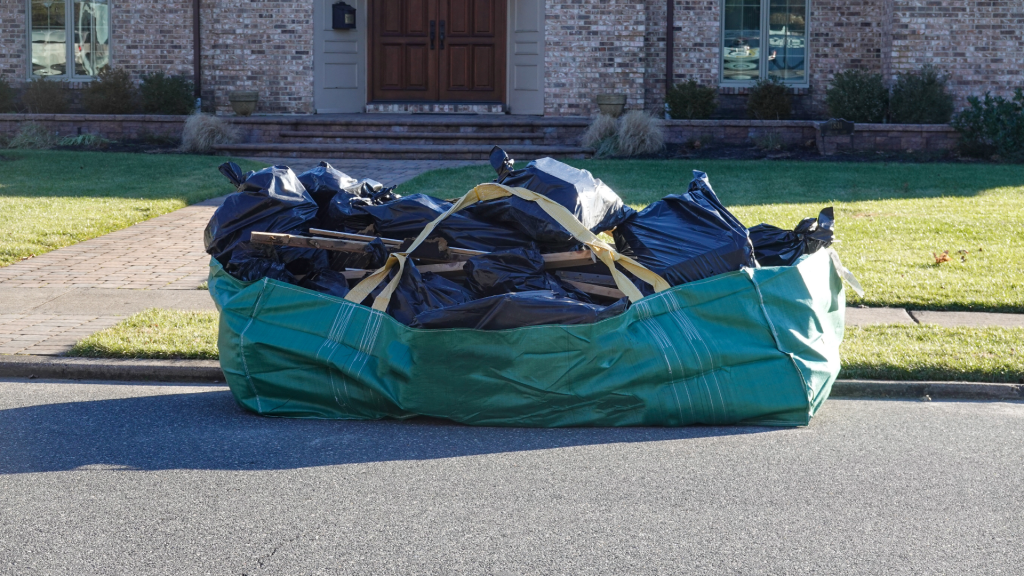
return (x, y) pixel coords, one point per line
(46, 333)
(163, 253)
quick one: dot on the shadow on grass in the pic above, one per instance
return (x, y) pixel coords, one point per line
(208, 431)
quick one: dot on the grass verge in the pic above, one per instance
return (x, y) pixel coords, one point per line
(900, 352)
(155, 333)
(52, 199)
(891, 218)
(888, 352)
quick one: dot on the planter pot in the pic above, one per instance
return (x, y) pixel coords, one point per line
(611, 104)
(244, 102)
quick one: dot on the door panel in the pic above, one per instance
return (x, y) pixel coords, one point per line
(474, 68)
(339, 61)
(468, 64)
(404, 67)
(526, 94)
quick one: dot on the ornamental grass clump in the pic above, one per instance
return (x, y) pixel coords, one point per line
(691, 101)
(33, 136)
(601, 128)
(203, 131)
(640, 134)
(857, 96)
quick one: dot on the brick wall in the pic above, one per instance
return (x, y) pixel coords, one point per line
(264, 46)
(593, 47)
(843, 35)
(13, 40)
(980, 45)
(152, 36)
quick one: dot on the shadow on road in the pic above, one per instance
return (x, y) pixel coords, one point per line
(208, 431)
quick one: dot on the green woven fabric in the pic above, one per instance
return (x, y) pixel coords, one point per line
(758, 346)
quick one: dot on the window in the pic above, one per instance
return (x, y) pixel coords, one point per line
(85, 22)
(764, 39)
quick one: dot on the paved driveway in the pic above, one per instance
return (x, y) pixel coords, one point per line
(110, 478)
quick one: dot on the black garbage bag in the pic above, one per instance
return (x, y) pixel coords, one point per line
(516, 270)
(407, 216)
(250, 263)
(271, 200)
(590, 200)
(322, 182)
(777, 247)
(686, 237)
(417, 293)
(326, 281)
(374, 255)
(344, 213)
(516, 310)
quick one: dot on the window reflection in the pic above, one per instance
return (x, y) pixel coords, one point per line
(787, 40)
(49, 41)
(92, 37)
(741, 52)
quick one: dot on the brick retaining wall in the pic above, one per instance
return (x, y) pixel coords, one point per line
(266, 129)
(794, 133)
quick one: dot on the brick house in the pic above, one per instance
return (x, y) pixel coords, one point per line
(524, 56)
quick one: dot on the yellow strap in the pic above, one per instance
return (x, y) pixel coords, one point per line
(491, 191)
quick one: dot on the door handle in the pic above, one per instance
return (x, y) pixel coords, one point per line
(442, 35)
(433, 24)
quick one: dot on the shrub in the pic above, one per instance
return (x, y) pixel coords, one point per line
(691, 101)
(601, 128)
(994, 125)
(43, 96)
(640, 133)
(921, 98)
(769, 100)
(203, 131)
(857, 96)
(33, 137)
(113, 93)
(162, 94)
(7, 96)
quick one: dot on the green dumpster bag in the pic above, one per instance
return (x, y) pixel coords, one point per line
(755, 346)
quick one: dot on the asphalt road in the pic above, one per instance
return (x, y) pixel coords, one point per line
(114, 478)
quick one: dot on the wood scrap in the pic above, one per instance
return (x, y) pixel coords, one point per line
(552, 261)
(595, 290)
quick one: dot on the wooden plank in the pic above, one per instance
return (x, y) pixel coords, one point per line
(568, 259)
(357, 237)
(596, 290)
(386, 241)
(599, 279)
(335, 244)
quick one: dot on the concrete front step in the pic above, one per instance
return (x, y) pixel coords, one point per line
(390, 134)
(425, 138)
(399, 151)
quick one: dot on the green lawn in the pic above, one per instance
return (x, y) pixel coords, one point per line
(155, 333)
(890, 218)
(876, 352)
(51, 199)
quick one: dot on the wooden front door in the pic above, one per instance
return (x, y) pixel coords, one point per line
(438, 50)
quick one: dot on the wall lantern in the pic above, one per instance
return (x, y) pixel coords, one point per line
(343, 17)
